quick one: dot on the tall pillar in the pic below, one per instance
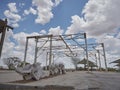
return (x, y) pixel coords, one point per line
(50, 53)
(99, 60)
(3, 35)
(36, 50)
(96, 61)
(3, 27)
(26, 46)
(86, 51)
(104, 57)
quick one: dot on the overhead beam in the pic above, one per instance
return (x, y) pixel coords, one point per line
(67, 45)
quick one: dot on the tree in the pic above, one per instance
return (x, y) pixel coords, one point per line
(12, 62)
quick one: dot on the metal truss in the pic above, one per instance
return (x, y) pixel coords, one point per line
(70, 45)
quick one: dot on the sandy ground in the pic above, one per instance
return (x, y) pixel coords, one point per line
(79, 80)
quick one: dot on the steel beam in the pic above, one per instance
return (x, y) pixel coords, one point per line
(104, 56)
(99, 59)
(86, 51)
(26, 46)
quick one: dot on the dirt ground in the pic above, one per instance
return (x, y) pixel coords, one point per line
(79, 80)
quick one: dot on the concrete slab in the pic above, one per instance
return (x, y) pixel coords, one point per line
(79, 80)
(9, 76)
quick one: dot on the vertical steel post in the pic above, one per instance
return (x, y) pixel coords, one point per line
(86, 50)
(50, 54)
(99, 59)
(36, 50)
(3, 37)
(26, 46)
(46, 60)
(96, 61)
(104, 56)
(53, 58)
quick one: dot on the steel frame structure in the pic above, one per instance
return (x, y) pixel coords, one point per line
(71, 44)
(98, 53)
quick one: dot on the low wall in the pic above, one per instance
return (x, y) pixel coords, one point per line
(21, 87)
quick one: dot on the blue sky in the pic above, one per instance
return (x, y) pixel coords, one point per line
(98, 18)
(62, 15)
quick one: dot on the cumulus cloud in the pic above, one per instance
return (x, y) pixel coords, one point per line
(44, 9)
(57, 2)
(12, 15)
(19, 49)
(56, 31)
(7, 43)
(76, 26)
(31, 10)
(101, 21)
(111, 44)
(12, 7)
(14, 45)
(100, 16)
(43, 32)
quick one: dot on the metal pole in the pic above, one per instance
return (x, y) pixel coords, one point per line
(36, 50)
(46, 60)
(53, 58)
(86, 50)
(99, 59)
(96, 61)
(3, 36)
(50, 54)
(104, 56)
(26, 46)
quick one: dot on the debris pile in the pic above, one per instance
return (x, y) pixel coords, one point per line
(31, 71)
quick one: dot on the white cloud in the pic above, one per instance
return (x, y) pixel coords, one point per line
(14, 45)
(111, 44)
(8, 45)
(101, 19)
(44, 10)
(19, 49)
(12, 15)
(56, 31)
(21, 38)
(12, 7)
(57, 2)
(43, 32)
(15, 25)
(26, 12)
(76, 26)
(100, 16)
(31, 10)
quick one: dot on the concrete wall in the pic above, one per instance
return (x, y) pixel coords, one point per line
(21, 87)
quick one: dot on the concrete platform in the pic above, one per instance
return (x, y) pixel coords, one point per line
(77, 80)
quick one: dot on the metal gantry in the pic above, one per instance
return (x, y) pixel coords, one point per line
(99, 52)
(70, 44)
